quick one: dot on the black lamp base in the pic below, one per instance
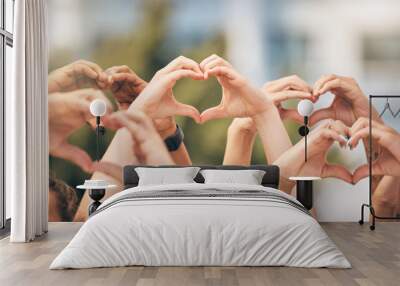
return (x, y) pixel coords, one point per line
(304, 193)
(96, 195)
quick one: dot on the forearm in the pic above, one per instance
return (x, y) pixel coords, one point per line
(120, 153)
(239, 146)
(181, 156)
(385, 197)
(273, 134)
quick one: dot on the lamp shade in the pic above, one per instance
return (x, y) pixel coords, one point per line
(98, 107)
(305, 107)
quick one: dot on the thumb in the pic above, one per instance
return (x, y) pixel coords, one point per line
(337, 171)
(292, 114)
(187, 110)
(215, 112)
(76, 155)
(110, 169)
(360, 173)
(321, 114)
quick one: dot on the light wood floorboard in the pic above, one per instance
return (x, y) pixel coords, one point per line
(374, 255)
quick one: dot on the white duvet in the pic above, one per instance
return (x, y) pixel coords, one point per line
(192, 231)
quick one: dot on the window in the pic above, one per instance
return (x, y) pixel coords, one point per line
(6, 44)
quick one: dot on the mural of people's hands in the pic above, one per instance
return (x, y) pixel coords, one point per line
(387, 161)
(319, 142)
(148, 146)
(77, 75)
(124, 84)
(349, 102)
(157, 99)
(239, 97)
(290, 87)
(68, 112)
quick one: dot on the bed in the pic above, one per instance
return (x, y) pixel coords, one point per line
(201, 224)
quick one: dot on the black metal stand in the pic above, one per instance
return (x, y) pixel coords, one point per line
(369, 205)
(304, 193)
(100, 130)
(372, 212)
(96, 195)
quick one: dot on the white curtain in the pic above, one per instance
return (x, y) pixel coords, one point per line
(27, 124)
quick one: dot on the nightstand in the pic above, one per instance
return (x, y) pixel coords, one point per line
(97, 190)
(304, 190)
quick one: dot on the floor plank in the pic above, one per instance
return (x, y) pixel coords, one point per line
(375, 257)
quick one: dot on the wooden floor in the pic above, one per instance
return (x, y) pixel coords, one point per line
(375, 257)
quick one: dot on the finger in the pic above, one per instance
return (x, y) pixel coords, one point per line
(226, 72)
(174, 76)
(384, 138)
(332, 135)
(341, 128)
(337, 171)
(188, 110)
(330, 85)
(118, 69)
(76, 155)
(214, 63)
(361, 173)
(111, 122)
(280, 96)
(103, 80)
(206, 60)
(108, 168)
(82, 69)
(361, 123)
(321, 81)
(118, 119)
(129, 77)
(216, 112)
(285, 83)
(182, 62)
(359, 135)
(321, 114)
(92, 65)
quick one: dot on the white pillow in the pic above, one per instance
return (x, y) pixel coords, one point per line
(162, 176)
(247, 177)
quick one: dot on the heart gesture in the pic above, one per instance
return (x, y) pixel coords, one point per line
(157, 99)
(349, 103)
(239, 97)
(320, 140)
(387, 161)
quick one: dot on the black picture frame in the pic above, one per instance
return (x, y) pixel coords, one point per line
(369, 205)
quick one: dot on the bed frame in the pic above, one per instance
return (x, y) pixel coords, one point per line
(270, 179)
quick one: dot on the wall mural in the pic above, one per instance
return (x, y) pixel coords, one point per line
(168, 73)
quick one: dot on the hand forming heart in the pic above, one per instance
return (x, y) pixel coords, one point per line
(319, 142)
(387, 161)
(239, 98)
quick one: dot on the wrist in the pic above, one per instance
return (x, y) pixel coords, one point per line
(245, 127)
(270, 113)
(167, 132)
(174, 141)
